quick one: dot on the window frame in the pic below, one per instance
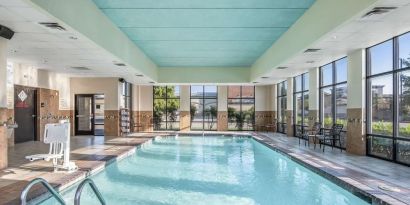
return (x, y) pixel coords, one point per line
(166, 98)
(203, 98)
(333, 86)
(394, 72)
(240, 105)
(303, 92)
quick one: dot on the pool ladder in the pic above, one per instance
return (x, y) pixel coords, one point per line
(58, 196)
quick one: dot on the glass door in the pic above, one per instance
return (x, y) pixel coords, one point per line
(84, 114)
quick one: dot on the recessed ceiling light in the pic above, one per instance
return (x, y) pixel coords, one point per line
(255, 82)
(151, 82)
(80, 68)
(265, 77)
(73, 38)
(282, 67)
(310, 62)
(139, 75)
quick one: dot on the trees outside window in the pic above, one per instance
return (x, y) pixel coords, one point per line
(204, 107)
(241, 107)
(166, 108)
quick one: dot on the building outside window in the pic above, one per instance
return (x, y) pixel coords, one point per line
(333, 95)
(388, 99)
(204, 107)
(166, 107)
(301, 101)
(241, 107)
(281, 102)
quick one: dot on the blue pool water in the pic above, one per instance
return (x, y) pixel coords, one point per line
(211, 171)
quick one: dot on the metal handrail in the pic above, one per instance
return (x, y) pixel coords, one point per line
(45, 184)
(77, 198)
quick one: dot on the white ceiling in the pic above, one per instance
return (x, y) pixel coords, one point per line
(38, 46)
(356, 34)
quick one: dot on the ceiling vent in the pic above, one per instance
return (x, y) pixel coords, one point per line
(282, 67)
(82, 68)
(119, 64)
(53, 26)
(312, 50)
(265, 77)
(379, 11)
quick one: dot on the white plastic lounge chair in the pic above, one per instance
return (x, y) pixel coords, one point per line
(58, 136)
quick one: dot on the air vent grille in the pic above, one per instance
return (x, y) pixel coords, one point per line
(53, 25)
(80, 68)
(282, 67)
(379, 11)
(312, 50)
(119, 64)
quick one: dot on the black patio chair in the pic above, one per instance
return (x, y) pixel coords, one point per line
(330, 136)
(314, 131)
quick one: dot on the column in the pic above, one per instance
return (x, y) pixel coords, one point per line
(185, 108)
(313, 96)
(3, 103)
(356, 100)
(142, 107)
(273, 107)
(289, 108)
(264, 114)
(222, 108)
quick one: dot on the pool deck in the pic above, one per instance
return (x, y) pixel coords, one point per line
(359, 174)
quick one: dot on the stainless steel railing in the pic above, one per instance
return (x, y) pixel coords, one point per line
(35, 181)
(77, 198)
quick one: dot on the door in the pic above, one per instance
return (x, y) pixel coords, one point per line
(25, 113)
(84, 114)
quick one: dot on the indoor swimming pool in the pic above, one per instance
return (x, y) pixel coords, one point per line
(211, 170)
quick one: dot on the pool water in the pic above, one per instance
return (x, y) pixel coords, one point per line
(211, 171)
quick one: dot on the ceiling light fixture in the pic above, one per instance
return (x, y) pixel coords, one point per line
(265, 77)
(151, 82)
(139, 75)
(282, 67)
(119, 64)
(73, 38)
(379, 11)
(255, 82)
(53, 25)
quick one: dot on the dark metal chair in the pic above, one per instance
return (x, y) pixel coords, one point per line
(331, 136)
(314, 131)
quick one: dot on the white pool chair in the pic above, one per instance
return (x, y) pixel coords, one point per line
(58, 137)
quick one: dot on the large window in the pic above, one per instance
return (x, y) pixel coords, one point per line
(281, 102)
(388, 99)
(204, 107)
(241, 107)
(166, 108)
(333, 95)
(301, 100)
(126, 98)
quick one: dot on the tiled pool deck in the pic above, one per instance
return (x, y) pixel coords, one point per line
(359, 174)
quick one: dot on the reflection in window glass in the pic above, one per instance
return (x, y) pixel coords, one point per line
(306, 109)
(281, 100)
(234, 92)
(298, 108)
(381, 57)
(403, 151)
(380, 147)
(404, 50)
(298, 83)
(381, 101)
(301, 104)
(341, 104)
(306, 81)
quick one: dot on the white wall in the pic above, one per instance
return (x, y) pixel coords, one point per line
(356, 76)
(289, 100)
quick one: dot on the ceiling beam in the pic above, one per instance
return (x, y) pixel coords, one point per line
(86, 18)
(323, 17)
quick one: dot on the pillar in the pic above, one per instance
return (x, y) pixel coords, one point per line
(313, 96)
(3, 103)
(142, 108)
(222, 108)
(185, 108)
(356, 102)
(289, 108)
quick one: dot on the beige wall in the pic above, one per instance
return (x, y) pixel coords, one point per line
(106, 86)
(185, 98)
(142, 98)
(222, 98)
(356, 75)
(314, 89)
(265, 98)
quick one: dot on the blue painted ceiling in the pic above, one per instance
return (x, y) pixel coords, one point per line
(204, 33)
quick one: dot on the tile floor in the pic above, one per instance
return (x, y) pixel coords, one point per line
(93, 153)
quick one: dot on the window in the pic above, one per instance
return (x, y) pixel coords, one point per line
(333, 95)
(301, 100)
(282, 100)
(126, 99)
(241, 107)
(204, 107)
(388, 100)
(166, 108)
